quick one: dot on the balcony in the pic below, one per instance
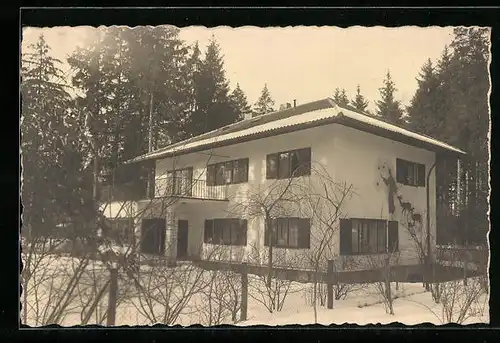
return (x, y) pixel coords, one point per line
(164, 188)
(186, 188)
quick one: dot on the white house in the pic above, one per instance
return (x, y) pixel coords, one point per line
(202, 184)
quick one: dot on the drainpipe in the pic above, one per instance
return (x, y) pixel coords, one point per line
(428, 224)
(428, 216)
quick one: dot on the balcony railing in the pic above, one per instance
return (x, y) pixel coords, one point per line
(164, 187)
(189, 188)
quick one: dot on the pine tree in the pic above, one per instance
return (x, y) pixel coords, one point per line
(424, 112)
(214, 108)
(50, 145)
(240, 102)
(340, 97)
(359, 102)
(389, 108)
(265, 103)
(461, 115)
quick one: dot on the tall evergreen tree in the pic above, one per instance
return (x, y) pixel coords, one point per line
(240, 102)
(424, 110)
(462, 110)
(214, 108)
(359, 102)
(126, 76)
(265, 103)
(50, 142)
(340, 97)
(388, 107)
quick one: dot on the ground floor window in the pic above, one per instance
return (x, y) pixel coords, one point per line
(121, 230)
(368, 236)
(153, 236)
(226, 231)
(287, 232)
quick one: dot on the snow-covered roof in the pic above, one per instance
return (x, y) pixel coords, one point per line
(316, 113)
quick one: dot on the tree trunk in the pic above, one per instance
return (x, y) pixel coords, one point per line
(270, 255)
(315, 286)
(95, 189)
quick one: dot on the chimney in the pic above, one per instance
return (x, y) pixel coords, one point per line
(294, 103)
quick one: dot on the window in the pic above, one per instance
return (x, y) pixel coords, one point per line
(226, 231)
(225, 173)
(122, 230)
(179, 182)
(289, 164)
(368, 236)
(289, 233)
(153, 236)
(410, 173)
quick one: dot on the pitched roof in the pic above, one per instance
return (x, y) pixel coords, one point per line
(317, 113)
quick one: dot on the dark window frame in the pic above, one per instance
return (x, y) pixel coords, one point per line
(226, 231)
(122, 230)
(151, 243)
(178, 188)
(301, 168)
(303, 234)
(417, 177)
(351, 246)
(216, 172)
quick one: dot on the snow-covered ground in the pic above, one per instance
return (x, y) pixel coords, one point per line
(364, 306)
(412, 306)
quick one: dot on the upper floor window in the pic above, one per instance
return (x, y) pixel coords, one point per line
(289, 164)
(230, 172)
(410, 173)
(180, 182)
(226, 231)
(289, 232)
(368, 236)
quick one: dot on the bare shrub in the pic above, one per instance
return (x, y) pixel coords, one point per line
(460, 301)
(221, 299)
(271, 292)
(164, 292)
(340, 289)
(383, 263)
(55, 287)
(461, 298)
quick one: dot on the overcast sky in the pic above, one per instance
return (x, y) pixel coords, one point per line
(303, 63)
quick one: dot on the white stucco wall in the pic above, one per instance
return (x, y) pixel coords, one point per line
(346, 154)
(119, 209)
(357, 156)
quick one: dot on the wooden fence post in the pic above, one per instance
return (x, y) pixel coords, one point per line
(329, 284)
(113, 293)
(465, 272)
(244, 292)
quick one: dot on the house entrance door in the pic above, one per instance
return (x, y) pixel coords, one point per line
(182, 239)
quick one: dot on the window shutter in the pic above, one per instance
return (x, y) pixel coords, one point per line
(345, 236)
(421, 175)
(243, 231)
(304, 233)
(208, 230)
(211, 175)
(400, 171)
(244, 164)
(272, 166)
(393, 229)
(305, 161)
(266, 232)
